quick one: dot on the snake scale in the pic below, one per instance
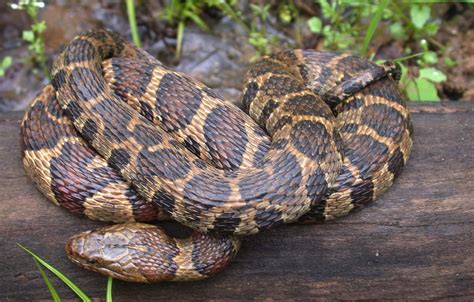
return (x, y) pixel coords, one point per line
(118, 137)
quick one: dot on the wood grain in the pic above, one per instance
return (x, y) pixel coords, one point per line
(416, 242)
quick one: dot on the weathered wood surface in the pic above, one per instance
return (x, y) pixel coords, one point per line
(416, 242)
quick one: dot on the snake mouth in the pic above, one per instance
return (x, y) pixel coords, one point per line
(86, 250)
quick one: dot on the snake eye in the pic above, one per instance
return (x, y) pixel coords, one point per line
(393, 69)
(396, 73)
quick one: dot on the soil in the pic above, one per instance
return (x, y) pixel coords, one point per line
(219, 58)
(458, 34)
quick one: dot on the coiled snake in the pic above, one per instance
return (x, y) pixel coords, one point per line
(118, 137)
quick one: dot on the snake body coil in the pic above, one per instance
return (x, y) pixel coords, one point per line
(118, 137)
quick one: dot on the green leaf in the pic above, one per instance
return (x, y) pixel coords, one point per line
(315, 25)
(285, 14)
(431, 28)
(215, 2)
(28, 36)
(412, 91)
(419, 15)
(32, 10)
(58, 274)
(343, 41)
(326, 9)
(404, 76)
(6, 62)
(397, 31)
(258, 40)
(265, 12)
(450, 62)
(261, 11)
(108, 296)
(51, 288)
(432, 74)
(327, 30)
(426, 90)
(430, 57)
(39, 27)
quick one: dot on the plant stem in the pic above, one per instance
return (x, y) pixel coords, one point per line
(179, 39)
(409, 57)
(298, 37)
(438, 44)
(41, 56)
(132, 20)
(108, 297)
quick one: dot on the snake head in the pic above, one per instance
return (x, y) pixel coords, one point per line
(393, 69)
(133, 252)
(139, 252)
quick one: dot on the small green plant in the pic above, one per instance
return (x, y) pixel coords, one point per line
(338, 32)
(287, 12)
(420, 87)
(258, 37)
(4, 64)
(180, 12)
(256, 30)
(40, 263)
(423, 86)
(418, 26)
(416, 23)
(132, 20)
(33, 36)
(228, 8)
(342, 25)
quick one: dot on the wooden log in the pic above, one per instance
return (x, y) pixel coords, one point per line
(416, 242)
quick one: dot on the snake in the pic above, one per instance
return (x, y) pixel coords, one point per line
(117, 136)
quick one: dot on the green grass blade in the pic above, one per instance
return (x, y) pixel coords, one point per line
(132, 20)
(108, 297)
(179, 40)
(373, 25)
(409, 57)
(53, 292)
(58, 274)
(199, 22)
